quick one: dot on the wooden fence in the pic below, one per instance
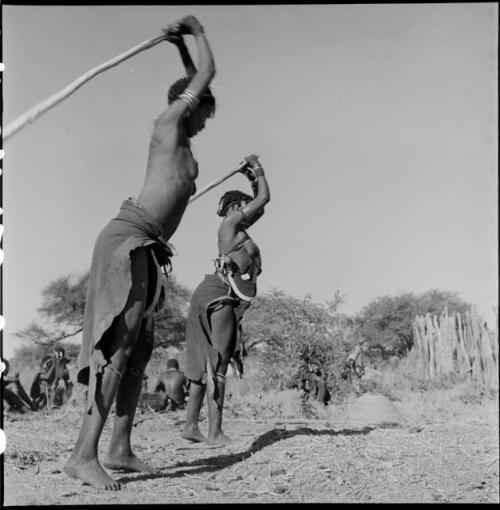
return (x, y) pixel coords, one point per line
(455, 344)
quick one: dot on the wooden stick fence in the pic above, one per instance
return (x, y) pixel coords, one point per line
(455, 344)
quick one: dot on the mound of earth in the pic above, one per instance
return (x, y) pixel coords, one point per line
(375, 410)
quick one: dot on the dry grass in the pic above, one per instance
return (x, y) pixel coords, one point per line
(248, 398)
(447, 451)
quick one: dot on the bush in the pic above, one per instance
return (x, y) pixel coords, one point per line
(289, 334)
(27, 358)
(388, 319)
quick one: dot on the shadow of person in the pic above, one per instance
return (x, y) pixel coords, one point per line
(216, 463)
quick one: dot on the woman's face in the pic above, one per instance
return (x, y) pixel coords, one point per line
(197, 120)
(243, 203)
(238, 207)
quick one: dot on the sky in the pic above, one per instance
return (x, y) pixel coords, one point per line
(376, 126)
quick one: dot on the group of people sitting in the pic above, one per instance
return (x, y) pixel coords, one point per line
(172, 386)
(311, 382)
(50, 384)
(14, 394)
(311, 379)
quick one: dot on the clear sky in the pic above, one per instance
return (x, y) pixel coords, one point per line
(376, 125)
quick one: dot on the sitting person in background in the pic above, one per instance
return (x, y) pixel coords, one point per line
(355, 366)
(13, 391)
(322, 392)
(174, 384)
(145, 379)
(61, 373)
(312, 383)
(354, 362)
(39, 392)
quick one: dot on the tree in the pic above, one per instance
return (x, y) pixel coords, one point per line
(63, 305)
(293, 333)
(170, 323)
(387, 320)
(29, 356)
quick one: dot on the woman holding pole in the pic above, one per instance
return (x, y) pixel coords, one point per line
(218, 304)
(125, 284)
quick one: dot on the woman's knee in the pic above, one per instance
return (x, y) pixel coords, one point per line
(224, 360)
(144, 347)
(123, 346)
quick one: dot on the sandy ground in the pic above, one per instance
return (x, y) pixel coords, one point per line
(445, 452)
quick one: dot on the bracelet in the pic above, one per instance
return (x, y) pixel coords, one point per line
(189, 98)
(245, 211)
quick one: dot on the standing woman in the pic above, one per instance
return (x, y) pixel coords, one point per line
(218, 303)
(125, 283)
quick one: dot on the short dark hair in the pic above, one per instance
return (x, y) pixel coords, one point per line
(229, 198)
(177, 88)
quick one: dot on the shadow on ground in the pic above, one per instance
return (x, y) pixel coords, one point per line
(219, 462)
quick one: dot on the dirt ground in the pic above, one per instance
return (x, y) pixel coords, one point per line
(445, 449)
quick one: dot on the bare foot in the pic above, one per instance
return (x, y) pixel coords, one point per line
(91, 472)
(219, 440)
(193, 434)
(128, 463)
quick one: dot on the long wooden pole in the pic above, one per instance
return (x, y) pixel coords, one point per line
(218, 181)
(33, 113)
(37, 110)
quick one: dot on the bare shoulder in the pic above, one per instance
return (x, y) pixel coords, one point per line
(166, 125)
(228, 230)
(232, 220)
(172, 115)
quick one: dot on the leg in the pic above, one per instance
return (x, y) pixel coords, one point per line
(65, 379)
(122, 336)
(120, 455)
(69, 389)
(224, 331)
(13, 400)
(191, 430)
(23, 395)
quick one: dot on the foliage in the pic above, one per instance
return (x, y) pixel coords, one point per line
(388, 319)
(63, 301)
(63, 304)
(27, 357)
(292, 333)
(62, 309)
(170, 323)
